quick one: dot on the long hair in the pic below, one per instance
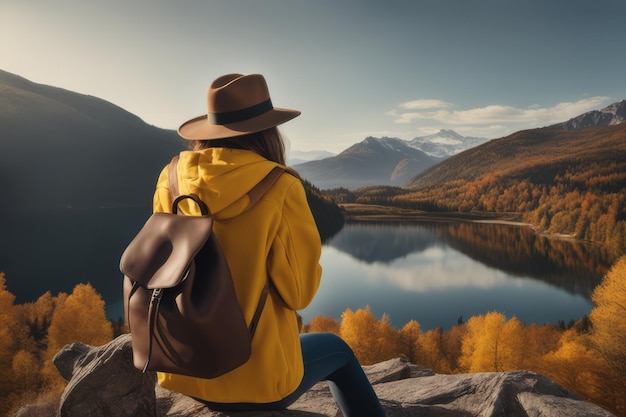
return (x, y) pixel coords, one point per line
(267, 143)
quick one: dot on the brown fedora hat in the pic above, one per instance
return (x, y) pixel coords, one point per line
(236, 105)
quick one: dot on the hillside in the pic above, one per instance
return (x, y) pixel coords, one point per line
(564, 182)
(60, 149)
(537, 154)
(388, 161)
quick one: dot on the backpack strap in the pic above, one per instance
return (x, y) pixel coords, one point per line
(259, 309)
(265, 184)
(172, 177)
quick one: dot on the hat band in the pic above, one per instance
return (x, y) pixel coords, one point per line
(236, 116)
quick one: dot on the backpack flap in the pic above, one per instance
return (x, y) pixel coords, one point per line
(160, 254)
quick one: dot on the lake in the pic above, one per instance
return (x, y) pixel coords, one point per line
(440, 272)
(434, 272)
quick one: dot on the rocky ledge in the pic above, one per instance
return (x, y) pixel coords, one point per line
(103, 382)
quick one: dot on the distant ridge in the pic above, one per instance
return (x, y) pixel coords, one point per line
(373, 161)
(384, 161)
(536, 153)
(529, 151)
(610, 115)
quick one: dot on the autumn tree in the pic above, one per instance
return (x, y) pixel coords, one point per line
(492, 344)
(79, 317)
(451, 347)
(372, 341)
(609, 328)
(513, 349)
(539, 341)
(409, 335)
(26, 367)
(37, 316)
(357, 329)
(429, 346)
(576, 367)
(388, 342)
(325, 324)
(8, 344)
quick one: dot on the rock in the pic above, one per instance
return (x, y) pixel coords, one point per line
(103, 382)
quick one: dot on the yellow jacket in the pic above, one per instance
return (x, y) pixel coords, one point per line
(277, 237)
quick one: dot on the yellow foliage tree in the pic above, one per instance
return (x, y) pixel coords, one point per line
(492, 344)
(359, 330)
(9, 322)
(429, 346)
(79, 317)
(36, 316)
(409, 335)
(388, 343)
(512, 352)
(323, 324)
(451, 343)
(608, 337)
(372, 341)
(539, 341)
(576, 367)
(26, 368)
(9, 327)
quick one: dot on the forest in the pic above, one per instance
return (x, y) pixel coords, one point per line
(588, 205)
(327, 214)
(587, 357)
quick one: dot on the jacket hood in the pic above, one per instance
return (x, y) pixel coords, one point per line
(222, 177)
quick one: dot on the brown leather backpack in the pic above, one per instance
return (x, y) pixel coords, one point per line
(179, 298)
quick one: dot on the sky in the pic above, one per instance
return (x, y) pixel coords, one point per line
(398, 68)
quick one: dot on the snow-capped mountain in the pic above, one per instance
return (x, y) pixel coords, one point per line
(445, 143)
(610, 115)
(373, 161)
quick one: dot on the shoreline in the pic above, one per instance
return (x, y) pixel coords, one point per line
(367, 212)
(354, 212)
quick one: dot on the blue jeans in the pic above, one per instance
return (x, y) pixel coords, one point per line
(326, 358)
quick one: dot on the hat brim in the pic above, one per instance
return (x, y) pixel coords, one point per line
(201, 128)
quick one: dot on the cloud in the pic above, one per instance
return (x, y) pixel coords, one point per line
(424, 104)
(492, 117)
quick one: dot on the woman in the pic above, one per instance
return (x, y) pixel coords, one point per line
(233, 147)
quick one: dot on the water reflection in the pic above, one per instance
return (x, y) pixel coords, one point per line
(569, 264)
(437, 272)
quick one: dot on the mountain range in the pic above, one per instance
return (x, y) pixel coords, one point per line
(388, 161)
(393, 161)
(591, 138)
(384, 161)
